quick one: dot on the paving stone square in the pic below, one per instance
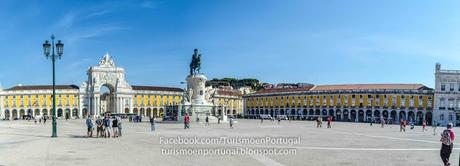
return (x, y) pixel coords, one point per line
(26, 143)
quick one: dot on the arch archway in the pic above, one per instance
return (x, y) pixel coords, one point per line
(369, 115)
(126, 110)
(338, 114)
(22, 112)
(402, 115)
(7, 114)
(107, 98)
(311, 112)
(394, 116)
(377, 114)
(135, 111)
(37, 112)
(361, 116)
(317, 112)
(411, 116)
(353, 115)
(85, 112)
(75, 113)
(142, 112)
(429, 118)
(30, 112)
(149, 112)
(161, 113)
(67, 113)
(345, 115)
(331, 112)
(15, 114)
(419, 117)
(59, 112)
(45, 112)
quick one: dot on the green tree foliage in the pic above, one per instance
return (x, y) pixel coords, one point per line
(235, 83)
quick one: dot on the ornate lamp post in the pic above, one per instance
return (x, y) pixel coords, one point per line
(47, 49)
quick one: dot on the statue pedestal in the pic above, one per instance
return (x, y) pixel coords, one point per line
(198, 108)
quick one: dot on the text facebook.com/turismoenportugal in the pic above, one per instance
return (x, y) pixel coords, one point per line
(228, 146)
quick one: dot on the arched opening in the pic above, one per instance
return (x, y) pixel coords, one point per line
(228, 111)
(353, 115)
(331, 112)
(15, 114)
(7, 114)
(272, 113)
(30, 112)
(324, 112)
(161, 113)
(345, 115)
(311, 112)
(37, 112)
(282, 112)
(338, 114)
(67, 113)
(385, 114)
(377, 115)
(411, 116)
(361, 116)
(85, 113)
(155, 112)
(22, 114)
(149, 112)
(142, 112)
(75, 113)
(59, 112)
(402, 115)
(45, 112)
(429, 118)
(135, 111)
(234, 112)
(369, 115)
(257, 112)
(317, 112)
(126, 110)
(107, 100)
(394, 116)
(419, 119)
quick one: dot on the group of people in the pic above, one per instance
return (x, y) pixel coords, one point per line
(319, 122)
(105, 127)
(187, 121)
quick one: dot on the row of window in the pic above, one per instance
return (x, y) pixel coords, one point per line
(337, 100)
(38, 100)
(451, 87)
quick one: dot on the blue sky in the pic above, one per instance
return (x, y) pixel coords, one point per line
(320, 42)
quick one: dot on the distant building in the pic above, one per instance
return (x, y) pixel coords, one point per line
(350, 102)
(447, 95)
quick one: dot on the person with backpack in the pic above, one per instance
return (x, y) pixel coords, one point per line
(106, 123)
(447, 138)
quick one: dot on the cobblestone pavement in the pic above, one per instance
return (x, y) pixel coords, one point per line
(26, 143)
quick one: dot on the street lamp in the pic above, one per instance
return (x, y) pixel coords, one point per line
(48, 50)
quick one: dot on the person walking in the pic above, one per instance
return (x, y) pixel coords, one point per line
(115, 127)
(231, 122)
(206, 120)
(382, 122)
(89, 125)
(447, 138)
(279, 119)
(218, 120)
(119, 126)
(152, 124)
(261, 120)
(435, 125)
(106, 123)
(44, 119)
(423, 126)
(329, 122)
(186, 122)
(401, 126)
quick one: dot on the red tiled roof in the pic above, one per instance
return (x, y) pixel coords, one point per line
(280, 90)
(156, 88)
(370, 87)
(227, 92)
(42, 87)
